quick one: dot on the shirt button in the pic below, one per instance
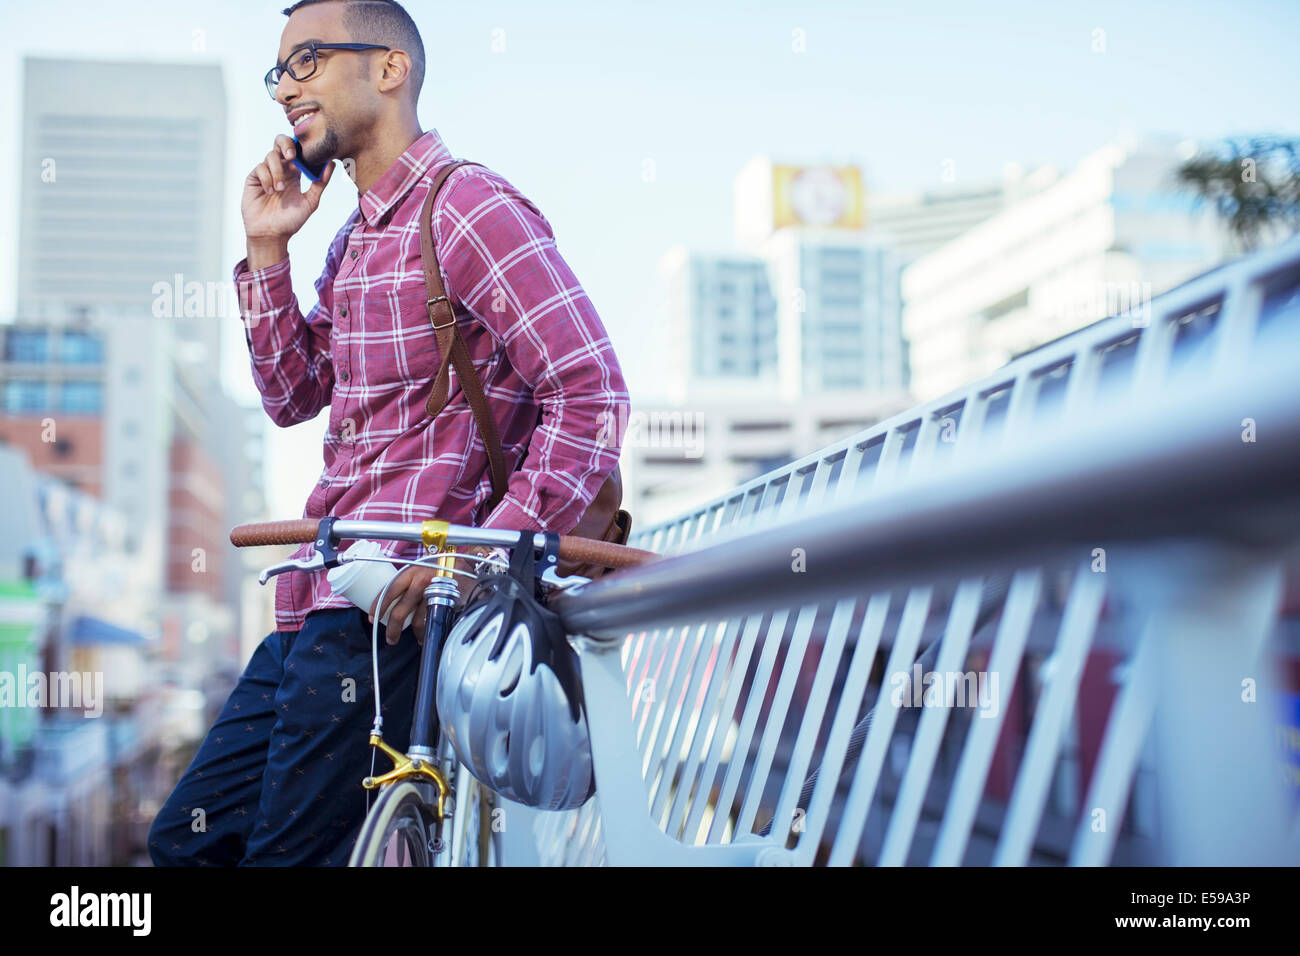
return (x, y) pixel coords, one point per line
(345, 376)
(343, 312)
(353, 253)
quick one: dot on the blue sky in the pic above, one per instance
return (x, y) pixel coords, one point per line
(585, 92)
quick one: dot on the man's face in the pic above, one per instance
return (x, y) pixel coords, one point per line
(337, 90)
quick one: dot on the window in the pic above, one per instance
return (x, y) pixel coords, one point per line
(763, 463)
(838, 378)
(26, 397)
(80, 397)
(841, 258)
(1018, 300)
(27, 346)
(842, 301)
(81, 348)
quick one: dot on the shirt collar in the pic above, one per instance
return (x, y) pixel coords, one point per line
(425, 154)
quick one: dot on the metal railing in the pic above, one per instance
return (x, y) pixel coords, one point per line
(1098, 532)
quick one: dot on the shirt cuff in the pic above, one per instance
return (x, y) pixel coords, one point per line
(509, 515)
(261, 292)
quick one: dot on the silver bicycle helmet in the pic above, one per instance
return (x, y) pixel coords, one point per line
(509, 694)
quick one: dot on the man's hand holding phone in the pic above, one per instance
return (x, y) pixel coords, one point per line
(274, 206)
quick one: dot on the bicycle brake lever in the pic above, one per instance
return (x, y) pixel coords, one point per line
(325, 555)
(315, 563)
(549, 576)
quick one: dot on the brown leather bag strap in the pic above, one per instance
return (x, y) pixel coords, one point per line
(452, 346)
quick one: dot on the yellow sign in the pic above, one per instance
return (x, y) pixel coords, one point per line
(830, 196)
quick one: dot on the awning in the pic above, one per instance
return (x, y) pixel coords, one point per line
(92, 630)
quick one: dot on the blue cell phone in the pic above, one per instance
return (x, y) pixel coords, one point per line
(311, 172)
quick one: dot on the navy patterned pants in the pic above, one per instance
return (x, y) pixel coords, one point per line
(277, 780)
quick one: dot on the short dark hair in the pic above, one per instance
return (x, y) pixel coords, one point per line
(380, 21)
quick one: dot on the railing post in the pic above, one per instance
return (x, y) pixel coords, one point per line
(1210, 609)
(630, 836)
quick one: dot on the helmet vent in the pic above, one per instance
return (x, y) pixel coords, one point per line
(514, 666)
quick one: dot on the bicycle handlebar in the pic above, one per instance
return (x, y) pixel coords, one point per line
(304, 530)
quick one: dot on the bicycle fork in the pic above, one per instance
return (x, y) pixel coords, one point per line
(422, 761)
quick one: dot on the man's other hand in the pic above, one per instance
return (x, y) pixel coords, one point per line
(406, 593)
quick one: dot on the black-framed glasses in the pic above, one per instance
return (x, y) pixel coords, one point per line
(303, 63)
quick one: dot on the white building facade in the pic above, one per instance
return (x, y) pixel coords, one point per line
(676, 456)
(1098, 241)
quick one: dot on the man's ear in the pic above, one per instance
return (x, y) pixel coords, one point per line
(397, 70)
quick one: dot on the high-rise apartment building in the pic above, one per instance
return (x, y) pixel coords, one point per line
(839, 316)
(123, 186)
(720, 323)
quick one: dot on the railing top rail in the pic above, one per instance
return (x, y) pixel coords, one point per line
(1165, 465)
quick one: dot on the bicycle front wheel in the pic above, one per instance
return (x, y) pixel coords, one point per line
(476, 840)
(399, 830)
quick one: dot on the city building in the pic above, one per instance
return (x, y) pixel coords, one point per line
(676, 456)
(115, 406)
(913, 224)
(838, 307)
(81, 722)
(721, 321)
(839, 314)
(792, 340)
(1072, 249)
(123, 293)
(128, 464)
(123, 189)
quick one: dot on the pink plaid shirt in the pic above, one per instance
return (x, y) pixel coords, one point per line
(368, 351)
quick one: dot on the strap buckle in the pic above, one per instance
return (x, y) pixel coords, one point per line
(450, 322)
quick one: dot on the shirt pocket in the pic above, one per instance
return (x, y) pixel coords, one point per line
(401, 346)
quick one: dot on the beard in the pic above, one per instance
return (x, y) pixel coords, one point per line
(322, 150)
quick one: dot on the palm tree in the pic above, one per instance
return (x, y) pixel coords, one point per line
(1253, 184)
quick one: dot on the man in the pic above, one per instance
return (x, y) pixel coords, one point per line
(277, 781)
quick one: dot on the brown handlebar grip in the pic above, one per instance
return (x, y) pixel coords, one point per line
(602, 553)
(296, 531)
(580, 551)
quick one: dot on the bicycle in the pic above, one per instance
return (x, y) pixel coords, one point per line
(428, 787)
